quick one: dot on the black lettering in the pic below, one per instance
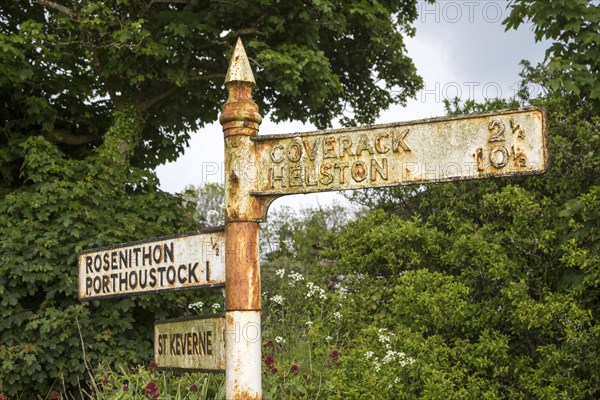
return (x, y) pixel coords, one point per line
(157, 258)
(172, 344)
(114, 281)
(152, 277)
(161, 271)
(106, 265)
(113, 260)
(181, 276)
(144, 281)
(169, 253)
(189, 343)
(147, 256)
(97, 263)
(171, 274)
(88, 285)
(97, 284)
(202, 343)
(160, 344)
(123, 259)
(195, 343)
(88, 265)
(192, 272)
(133, 282)
(209, 343)
(105, 284)
(137, 256)
(122, 281)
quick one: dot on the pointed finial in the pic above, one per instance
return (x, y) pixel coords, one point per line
(239, 67)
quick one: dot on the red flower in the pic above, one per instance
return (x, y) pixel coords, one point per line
(152, 391)
(269, 361)
(274, 370)
(105, 381)
(270, 344)
(152, 366)
(3, 397)
(194, 388)
(55, 395)
(294, 368)
(334, 354)
(126, 388)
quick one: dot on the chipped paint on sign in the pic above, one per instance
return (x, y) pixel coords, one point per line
(195, 343)
(175, 262)
(505, 143)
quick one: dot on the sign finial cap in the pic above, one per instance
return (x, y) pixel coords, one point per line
(239, 67)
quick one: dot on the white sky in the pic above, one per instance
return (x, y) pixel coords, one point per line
(460, 49)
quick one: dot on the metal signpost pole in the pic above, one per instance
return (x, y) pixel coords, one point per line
(240, 120)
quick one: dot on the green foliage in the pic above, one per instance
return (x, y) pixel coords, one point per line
(67, 66)
(64, 207)
(210, 203)
(572, 63)
(125, 384)
(94, 94)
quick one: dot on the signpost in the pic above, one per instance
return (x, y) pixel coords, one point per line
(261, 168)
(175, 262)
(434, 150)
(190, 344)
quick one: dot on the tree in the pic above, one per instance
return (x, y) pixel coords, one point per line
(572, 63)
(95, 94)
(492, 287)
(167, 60)
(210, 202)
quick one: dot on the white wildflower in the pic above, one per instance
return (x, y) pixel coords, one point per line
(329, 338)
(280, 272)
(279, 340)
(369, 354)
(314, 290)
(196, 305)
(277, 299)
(337, 315)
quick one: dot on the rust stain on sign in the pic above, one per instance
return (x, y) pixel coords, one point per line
(195, 343)
(175, 262)
(511, 142)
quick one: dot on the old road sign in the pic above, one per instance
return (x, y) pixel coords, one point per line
(196, 343)
(175, 262)
(512, 142)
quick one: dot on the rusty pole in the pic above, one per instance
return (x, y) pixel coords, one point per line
(240, 120)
